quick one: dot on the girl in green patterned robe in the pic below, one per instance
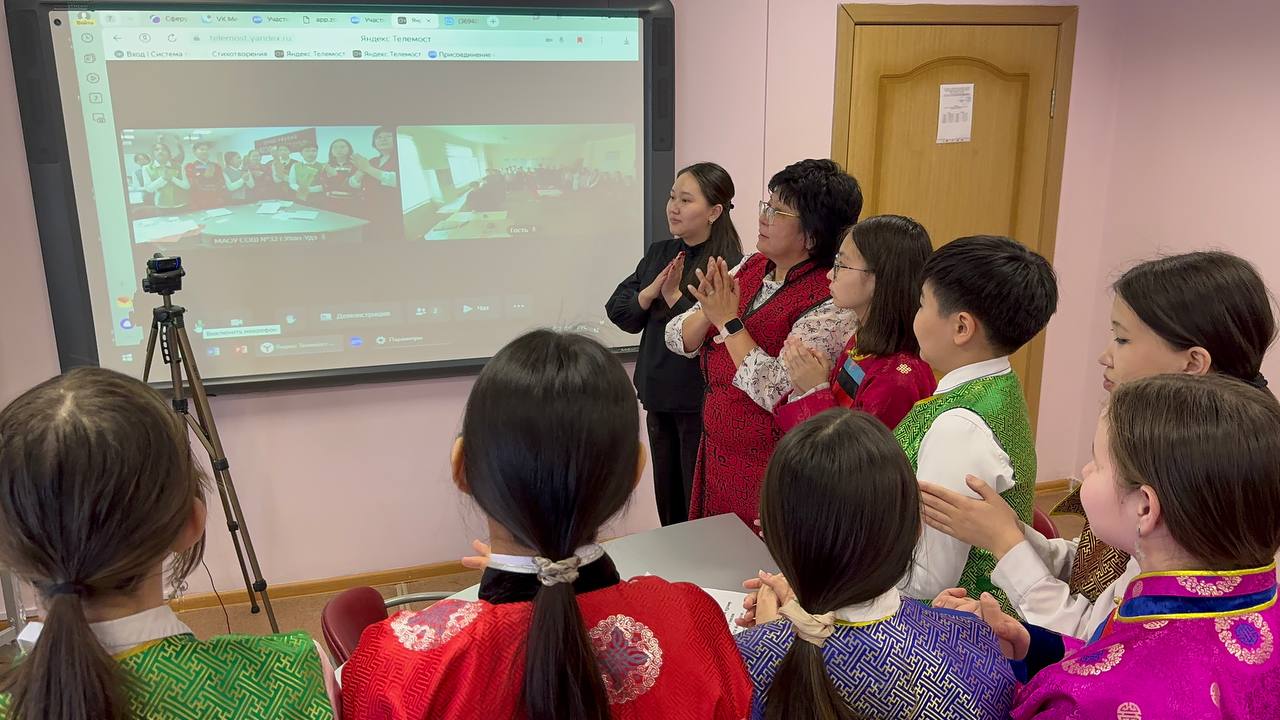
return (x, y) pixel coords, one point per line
(98, 488)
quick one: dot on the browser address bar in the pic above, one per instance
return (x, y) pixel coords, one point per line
(250, 37)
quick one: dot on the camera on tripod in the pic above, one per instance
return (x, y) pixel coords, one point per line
(169, 332)
(164, 275)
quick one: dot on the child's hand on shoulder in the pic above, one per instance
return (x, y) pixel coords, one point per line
(989, 523)
(479, 561)
(957, 599)
(1015, 640)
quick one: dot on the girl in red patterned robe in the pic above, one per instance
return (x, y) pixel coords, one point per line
(877, 275)
(550, 451)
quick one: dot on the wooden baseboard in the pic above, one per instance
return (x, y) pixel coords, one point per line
(1053, 486)
(322, 586)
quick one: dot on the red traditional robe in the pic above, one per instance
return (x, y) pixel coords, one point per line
(883, 385)
(738, 436)
(664, 652)
(208, 186)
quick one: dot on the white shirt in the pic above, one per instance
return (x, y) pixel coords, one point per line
(880, 608)
(761, 376)
(123, 633)
(1034, 575)
(958, 443)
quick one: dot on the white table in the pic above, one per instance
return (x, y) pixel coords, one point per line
(716, 552)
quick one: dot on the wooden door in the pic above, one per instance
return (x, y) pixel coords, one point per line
(1002, 176)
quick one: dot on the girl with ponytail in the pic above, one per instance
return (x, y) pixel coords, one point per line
(98, 488)
(834, 640)
(549, 452)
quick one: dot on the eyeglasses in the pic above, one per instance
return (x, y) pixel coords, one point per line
(836, 267)
(768, 212)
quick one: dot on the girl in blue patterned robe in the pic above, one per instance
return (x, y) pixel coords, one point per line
(840, 510)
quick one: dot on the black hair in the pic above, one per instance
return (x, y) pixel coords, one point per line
(896, 249)
(373, 139)
(840, 510)
(826, 198)
(550, 443)
(1010, 289)
(1210, 299)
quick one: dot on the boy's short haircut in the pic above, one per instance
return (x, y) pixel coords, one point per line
(1010, 289)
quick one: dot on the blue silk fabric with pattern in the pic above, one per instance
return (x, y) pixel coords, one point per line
(920, 663)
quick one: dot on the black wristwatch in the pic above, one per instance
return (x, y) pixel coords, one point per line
(733, 327)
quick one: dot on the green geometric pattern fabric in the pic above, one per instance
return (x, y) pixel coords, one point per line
(232, 677)
(999, 401)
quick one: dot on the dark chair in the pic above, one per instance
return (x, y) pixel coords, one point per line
(345, 617)
(1043, 524)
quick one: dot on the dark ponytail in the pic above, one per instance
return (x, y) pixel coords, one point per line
(840, 509)
(802, 688)
(68, 673)
(550, 443)
(96, 483)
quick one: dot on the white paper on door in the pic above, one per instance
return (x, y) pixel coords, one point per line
(955, 112)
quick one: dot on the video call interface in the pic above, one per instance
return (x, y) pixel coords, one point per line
(348, 190)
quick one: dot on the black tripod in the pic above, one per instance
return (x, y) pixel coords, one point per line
(164, 278)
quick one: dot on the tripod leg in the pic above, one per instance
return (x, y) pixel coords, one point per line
(259, 584)
(208, 432)
(233, 525)
(151, 347)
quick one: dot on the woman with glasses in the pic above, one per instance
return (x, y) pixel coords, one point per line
(744, 315)
(670, 386)
(876, 275)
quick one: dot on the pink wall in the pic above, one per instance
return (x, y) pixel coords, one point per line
(1200, 164)
(1169, 103)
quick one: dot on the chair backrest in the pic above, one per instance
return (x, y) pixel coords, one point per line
(346, 616)
(1043, 524)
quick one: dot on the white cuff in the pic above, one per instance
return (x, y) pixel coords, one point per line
(807, 393)
(1019, 571)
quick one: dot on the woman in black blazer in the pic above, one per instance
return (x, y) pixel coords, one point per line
(670, 386)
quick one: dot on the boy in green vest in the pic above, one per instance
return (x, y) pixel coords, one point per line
(982, 299)
(304, 177)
